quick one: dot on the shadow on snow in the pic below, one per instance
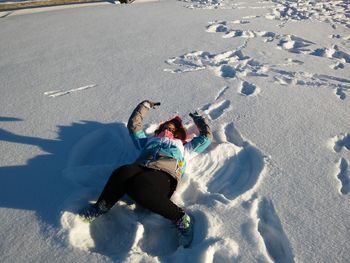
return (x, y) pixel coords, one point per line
(39, 185)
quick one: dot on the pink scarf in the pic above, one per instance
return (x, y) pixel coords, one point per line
(167, 134)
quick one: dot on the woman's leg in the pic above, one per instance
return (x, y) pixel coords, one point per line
(116, 185)
(152, 189)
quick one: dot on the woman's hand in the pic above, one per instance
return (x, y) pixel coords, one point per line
(202, 124)
(195, 115)
(151, 104)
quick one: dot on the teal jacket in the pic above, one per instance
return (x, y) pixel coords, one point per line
(163, 153)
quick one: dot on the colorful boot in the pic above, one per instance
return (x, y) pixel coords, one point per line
(185, 226)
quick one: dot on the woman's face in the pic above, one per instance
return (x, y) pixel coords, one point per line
(170, 127)
(174, 128)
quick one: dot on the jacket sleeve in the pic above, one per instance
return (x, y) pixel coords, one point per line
(200, 143)
(135, 124)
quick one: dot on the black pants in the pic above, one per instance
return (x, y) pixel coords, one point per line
(150, 188)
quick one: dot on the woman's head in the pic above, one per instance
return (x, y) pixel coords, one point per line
(174, 126)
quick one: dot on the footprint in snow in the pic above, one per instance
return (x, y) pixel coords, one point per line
(229, 64)
(217, 26)
(343, 176)
(298, 11)
(338, 143)
(337, 66)
(235, 65)
(217, 109)
(333, 52)
(225, 71)
(294, 44)
(340, 92)
(271, 231)
(287, 42)
(341, 141)
(306, 79)
(248, 89)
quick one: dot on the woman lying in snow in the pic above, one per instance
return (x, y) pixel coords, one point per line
(152, 179)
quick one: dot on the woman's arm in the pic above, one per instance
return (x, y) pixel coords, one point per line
(135, 122)
(200, 143)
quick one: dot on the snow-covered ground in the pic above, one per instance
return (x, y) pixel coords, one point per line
(272, 76)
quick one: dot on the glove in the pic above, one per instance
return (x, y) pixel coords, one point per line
(202, 124)
(150, 104)
(195, 115)
(154, 104)
(199, 119)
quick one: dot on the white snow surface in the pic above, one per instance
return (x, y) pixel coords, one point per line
(273, 77)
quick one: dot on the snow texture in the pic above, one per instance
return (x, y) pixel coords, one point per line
(273, 78)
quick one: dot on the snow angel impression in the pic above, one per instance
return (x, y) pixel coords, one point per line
(152, 179)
